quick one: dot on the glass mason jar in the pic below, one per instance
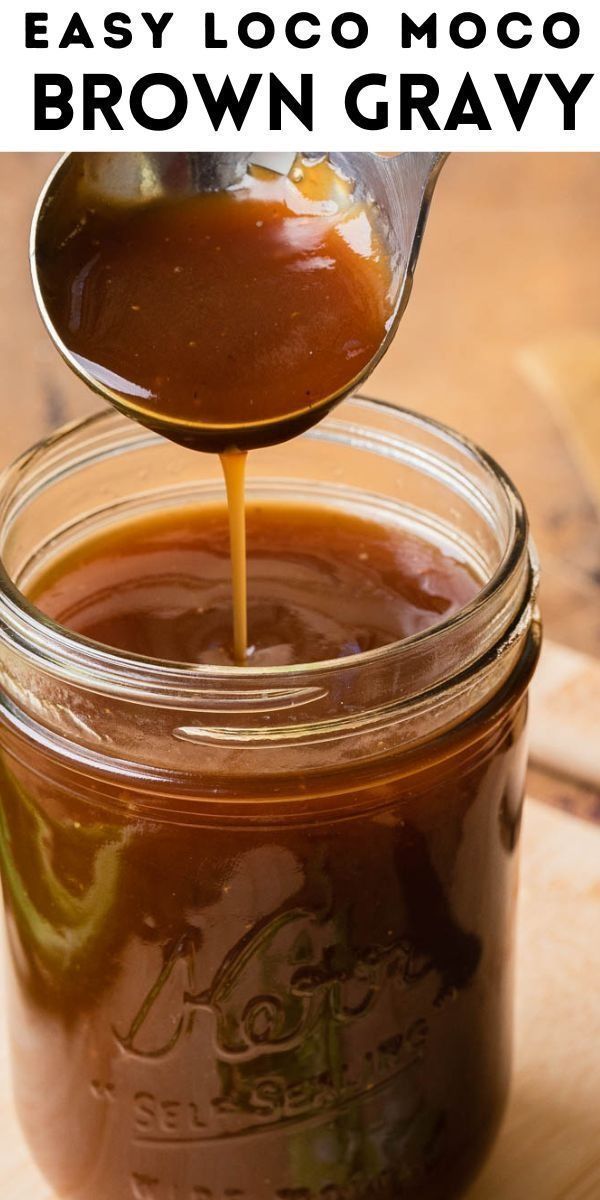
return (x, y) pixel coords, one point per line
(260, 921)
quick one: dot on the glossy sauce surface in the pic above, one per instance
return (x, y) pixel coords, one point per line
(209, 313)
(322, 584)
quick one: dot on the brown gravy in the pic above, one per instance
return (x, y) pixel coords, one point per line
(212, 313)
(322, 584)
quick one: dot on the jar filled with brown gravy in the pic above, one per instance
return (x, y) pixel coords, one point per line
(260, 919)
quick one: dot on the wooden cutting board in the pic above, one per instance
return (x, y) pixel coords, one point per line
(549, 1148)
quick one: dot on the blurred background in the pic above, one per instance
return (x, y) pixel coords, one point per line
(501, 339)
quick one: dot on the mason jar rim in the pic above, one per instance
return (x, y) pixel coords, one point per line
(71, 655)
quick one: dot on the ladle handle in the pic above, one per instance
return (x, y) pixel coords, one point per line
(415, 175)
(417, 169)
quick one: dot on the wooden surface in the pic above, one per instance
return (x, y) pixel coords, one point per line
(549, 1146)
(563, 718)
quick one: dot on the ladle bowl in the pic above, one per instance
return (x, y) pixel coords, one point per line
(399, 186)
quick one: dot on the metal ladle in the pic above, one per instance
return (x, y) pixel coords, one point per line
(400, 186)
